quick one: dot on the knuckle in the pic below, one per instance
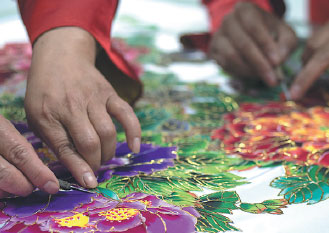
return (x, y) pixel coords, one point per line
(108, 131)
(63, 147)
(123, 107)
(5, 174)
(18, 155)
(89, 144)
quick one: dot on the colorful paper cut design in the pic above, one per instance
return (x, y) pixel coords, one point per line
(277, 132)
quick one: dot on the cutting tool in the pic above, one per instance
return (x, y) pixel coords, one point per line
(283, 82)
(64, 185)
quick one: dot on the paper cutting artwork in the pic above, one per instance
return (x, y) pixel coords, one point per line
(213, 158)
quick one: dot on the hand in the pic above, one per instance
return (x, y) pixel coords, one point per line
(20, 167)
(315, 60)
(69, 103)
(252, 42)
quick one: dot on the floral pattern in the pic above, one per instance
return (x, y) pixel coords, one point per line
(82, 212)
(277, 131)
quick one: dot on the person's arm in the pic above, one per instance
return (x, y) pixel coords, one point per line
(68, 101)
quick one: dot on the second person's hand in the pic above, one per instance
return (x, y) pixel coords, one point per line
(69, 104)
(251, 43)
(315, 62)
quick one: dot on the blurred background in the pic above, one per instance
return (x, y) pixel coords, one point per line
(154, 11)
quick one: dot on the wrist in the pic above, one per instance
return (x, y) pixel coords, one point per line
(65, 43)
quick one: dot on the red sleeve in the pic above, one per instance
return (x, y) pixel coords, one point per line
(319, 11)
(217, 9)
(94, 16)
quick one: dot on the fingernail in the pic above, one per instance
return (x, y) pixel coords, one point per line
(51, 187)
(90, 180)
(294, 92)
(270, 79)
(136, 145)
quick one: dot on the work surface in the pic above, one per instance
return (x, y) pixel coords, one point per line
(213, 158)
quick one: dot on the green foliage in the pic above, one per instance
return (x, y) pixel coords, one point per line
(190, 144)
(12, 107)
(149, 119)
(212, 207)
(172, 184)
(273, 206)
(310, 186)
(163, 187)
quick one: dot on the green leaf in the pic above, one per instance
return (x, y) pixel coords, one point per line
(181, 198)
(190, 144)
(273, 206)
(164, 187)
(309, 185)
(212, 206)
(107, 193)
(219, 181)
(213, 162)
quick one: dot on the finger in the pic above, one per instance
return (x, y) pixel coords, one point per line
(57, 138)
(312, 70)
(105, 129)
(17, 151)
(223, 52)
(259, 32)
(243, 43)
(4, 194)
(317, 40)
(12, 180)
(85, 138)
(287, 40)
(122, 111)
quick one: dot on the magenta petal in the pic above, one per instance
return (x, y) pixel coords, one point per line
(192, 211)
(13, 227)
(184, 223)
(138, 229)
(153, 223)
(33, 229)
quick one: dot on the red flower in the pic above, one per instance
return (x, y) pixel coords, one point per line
(277, 131)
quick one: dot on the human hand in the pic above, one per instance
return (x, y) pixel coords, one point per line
(252, 42)
(315, 62)
(69, 104)
(20, 167)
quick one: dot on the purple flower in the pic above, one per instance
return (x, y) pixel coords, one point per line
(125, 163)
(148, 160)
(135, 213)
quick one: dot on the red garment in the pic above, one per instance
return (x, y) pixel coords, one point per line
(95, 16)
(319, 11)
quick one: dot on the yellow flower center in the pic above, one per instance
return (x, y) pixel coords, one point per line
(145, 202)
(119, 214)
(78, 220)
